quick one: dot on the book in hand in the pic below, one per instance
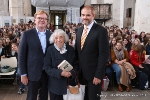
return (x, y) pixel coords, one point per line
(65, 65)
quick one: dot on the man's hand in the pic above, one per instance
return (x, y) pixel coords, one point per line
(96, 81)
(24, 80)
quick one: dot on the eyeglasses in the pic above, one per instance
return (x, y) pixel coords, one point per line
(40, 18)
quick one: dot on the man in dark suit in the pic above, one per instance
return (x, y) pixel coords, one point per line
(32, 49)
(92, 49)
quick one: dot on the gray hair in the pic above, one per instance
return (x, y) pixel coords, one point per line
(58, 32)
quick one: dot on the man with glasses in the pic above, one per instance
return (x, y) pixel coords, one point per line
(32, 49)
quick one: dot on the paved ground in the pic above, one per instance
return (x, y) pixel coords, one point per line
(9, 92)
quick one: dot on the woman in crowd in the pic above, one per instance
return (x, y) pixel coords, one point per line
(112, 43)
(111, 36)
(7, 46)
(120, 58)
(148, 35)
(67, 30)
(127, 44)
(56, 53)
(2, 49)
(137, 58)
(22, 86)
(119, 32)
(73, 38)
(147, 45)
(142, 36)
(11, 35)
(132, 37)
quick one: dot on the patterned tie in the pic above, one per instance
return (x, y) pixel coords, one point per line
(84, 35)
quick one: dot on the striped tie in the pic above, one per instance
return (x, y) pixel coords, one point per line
(84, 35)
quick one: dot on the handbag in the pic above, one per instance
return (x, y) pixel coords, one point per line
(75, 92)
(105, 83)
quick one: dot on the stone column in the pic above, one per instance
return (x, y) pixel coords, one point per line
(142, 16)
(16, 7)
(27, 7)
(133, 13)
(4, 8)
(118, 12)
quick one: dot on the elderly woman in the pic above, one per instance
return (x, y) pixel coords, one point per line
(56, 53)
(121, 66)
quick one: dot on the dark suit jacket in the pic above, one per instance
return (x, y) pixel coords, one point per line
(56, 83)
(94, 54)
(31, 56)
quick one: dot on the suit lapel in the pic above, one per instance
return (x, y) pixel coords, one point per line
(91, 32)
(79, 38)
(47, 40)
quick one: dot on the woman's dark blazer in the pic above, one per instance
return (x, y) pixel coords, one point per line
(147, 49)
(56, 83)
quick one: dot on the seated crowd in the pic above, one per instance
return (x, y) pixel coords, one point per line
(127, 51)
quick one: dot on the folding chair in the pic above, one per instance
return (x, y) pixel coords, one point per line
(12, 62)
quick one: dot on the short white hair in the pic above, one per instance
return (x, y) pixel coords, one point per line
(58, 32)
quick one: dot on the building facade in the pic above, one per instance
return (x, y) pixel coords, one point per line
(133, 14)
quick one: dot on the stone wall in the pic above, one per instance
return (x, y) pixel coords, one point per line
(142, 16)
(117, 14)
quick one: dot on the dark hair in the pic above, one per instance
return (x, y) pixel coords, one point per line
(16, 44)
(146, 41)
(119, 41)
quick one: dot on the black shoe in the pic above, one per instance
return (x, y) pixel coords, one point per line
(21, 91)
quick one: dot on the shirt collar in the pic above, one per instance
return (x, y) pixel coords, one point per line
(64, 50)
(90, 25)
(40, 32)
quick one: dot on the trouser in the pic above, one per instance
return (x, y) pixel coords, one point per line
(38, 87)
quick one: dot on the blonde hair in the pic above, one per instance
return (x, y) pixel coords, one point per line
(41, 12)
(138, 48)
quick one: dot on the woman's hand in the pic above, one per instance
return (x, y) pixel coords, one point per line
(120, 62)
(140, 66)
(2, 56)
(66, 74)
